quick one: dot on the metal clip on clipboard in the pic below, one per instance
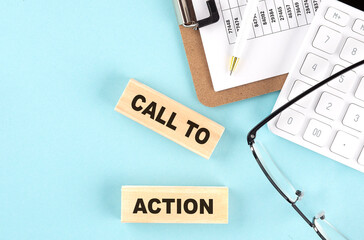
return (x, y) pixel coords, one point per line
(188, 19)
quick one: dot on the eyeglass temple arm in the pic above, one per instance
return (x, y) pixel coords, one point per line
(252, 134)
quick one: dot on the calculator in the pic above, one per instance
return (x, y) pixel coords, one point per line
(329, 121)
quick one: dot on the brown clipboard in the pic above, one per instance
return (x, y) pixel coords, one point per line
(199, 67)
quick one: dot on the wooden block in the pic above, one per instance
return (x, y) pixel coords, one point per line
(142, 204)
(169, 118)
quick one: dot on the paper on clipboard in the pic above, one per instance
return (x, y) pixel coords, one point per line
(278, 29)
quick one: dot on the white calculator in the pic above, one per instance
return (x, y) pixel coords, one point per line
(330, 121)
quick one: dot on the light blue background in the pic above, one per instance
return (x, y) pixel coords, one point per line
(65, 152)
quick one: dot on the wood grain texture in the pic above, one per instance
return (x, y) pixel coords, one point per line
(169, 118)
(202, 79)
(218, 196)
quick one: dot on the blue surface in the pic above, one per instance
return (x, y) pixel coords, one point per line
(65, 153)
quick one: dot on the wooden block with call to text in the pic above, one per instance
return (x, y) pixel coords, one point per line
(169, 118)
(142, 204)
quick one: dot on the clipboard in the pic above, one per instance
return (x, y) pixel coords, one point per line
(189, 25)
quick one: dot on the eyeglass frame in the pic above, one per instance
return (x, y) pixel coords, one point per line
(253, 133)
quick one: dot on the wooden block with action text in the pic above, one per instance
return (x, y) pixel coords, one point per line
(152, 204)
(169, 118)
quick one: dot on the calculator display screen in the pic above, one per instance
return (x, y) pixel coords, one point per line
(354, 3)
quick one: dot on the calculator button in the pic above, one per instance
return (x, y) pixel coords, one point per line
(353, 51)
(290, 121)
(315, 67)
(329, 106)
(344, 82)
(337, 17)
(360, 91)
(344, 144)
(317, 133)
(361, 158)
(359, 26)
(354, 118)
(298, 88)
(327, 40)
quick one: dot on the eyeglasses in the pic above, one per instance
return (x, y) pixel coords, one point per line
(276, 176)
